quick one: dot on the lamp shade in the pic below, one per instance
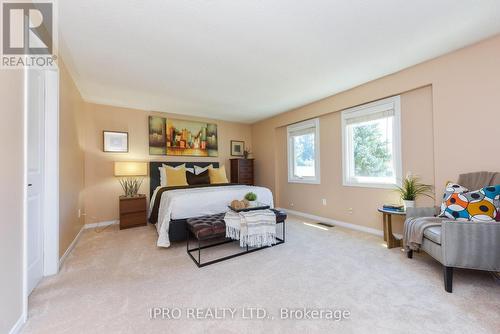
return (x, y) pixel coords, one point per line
(131, 168)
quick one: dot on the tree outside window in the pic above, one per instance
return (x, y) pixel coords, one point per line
(371, 152)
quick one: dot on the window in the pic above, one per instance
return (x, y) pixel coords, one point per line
(303, 152)
(371, 142)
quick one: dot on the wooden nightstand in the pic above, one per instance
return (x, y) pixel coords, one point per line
(133, 211)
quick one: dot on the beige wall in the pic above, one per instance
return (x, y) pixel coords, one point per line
(416, 116)
(102, 188)
(464, 103)
(71, 159)
(11, 197)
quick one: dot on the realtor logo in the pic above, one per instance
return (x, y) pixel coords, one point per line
(28, 36)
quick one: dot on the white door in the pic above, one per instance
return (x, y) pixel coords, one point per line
(36, 153)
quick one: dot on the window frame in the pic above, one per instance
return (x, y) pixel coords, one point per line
(393, 103)
(312, 123)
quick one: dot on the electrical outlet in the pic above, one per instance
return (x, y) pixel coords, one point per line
(291, 204)
(323, 201)
(349, 211)
(79, 213)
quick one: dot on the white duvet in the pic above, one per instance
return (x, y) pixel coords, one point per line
(195, 202)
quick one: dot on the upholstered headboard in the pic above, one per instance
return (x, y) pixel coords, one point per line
(154, 172)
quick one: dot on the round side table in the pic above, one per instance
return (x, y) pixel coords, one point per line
(391, 240)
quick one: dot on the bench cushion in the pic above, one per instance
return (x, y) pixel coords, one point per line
(213, 226)
(433, 233)
(207, 227)
(280, 215)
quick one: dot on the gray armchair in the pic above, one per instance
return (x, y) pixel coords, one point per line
(461, 244)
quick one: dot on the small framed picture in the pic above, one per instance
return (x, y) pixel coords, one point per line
(237, 148)
(115, 142)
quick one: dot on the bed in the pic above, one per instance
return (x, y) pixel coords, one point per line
(170, 207)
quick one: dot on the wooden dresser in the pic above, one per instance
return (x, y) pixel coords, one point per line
(133, 211)
(242, 171)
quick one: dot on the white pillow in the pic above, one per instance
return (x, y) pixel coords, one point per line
(198, 170)
(163, 176)
(163, 173)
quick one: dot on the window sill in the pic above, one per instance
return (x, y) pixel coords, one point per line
(306, 181)
(370, 185)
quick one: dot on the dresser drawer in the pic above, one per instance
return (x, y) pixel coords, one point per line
(245, 177)
(246, 180)
(245, 162)
(133, 219)
(132, 205)
(244, 170)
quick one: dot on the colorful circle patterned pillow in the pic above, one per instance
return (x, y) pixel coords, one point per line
(451, 190)
(482, 205)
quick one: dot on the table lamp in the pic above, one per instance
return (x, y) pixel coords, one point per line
(129, 174)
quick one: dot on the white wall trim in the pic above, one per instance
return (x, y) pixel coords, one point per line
(24, 314)
(348, 178)
(330, 221)
(70, 247)
(51, 262)
(18, 325)
(101, 224)
(84, 227)
(50, 218)
(298, 127)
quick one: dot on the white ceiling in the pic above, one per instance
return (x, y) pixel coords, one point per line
(245, 60)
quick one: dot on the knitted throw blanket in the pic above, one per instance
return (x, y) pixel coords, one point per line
(253, 228)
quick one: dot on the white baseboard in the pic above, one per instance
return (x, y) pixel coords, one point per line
(101, 224)
(18, 325)
(71, 246)
(334, 222)
(84, 227)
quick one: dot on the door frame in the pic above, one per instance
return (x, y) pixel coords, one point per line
(50, 217)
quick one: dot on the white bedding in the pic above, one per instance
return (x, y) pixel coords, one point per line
(195, 202)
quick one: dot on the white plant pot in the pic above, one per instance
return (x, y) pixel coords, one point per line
(409, 204)
(252, 204)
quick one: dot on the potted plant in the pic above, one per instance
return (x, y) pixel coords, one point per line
(411, 189)
(246, 153)
(251, 198)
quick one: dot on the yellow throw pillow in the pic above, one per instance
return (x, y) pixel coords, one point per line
(176, 176)
(217, 175)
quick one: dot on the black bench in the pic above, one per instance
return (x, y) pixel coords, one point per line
(213, 227)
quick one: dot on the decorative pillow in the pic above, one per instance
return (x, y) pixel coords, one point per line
(163, 175)
(217, 175)
(451, 188)
(198, 170)
(481, 205)
(193, 179)
(176, 176)
(189, 169)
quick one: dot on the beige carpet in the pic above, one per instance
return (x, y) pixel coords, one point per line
(111, 280)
